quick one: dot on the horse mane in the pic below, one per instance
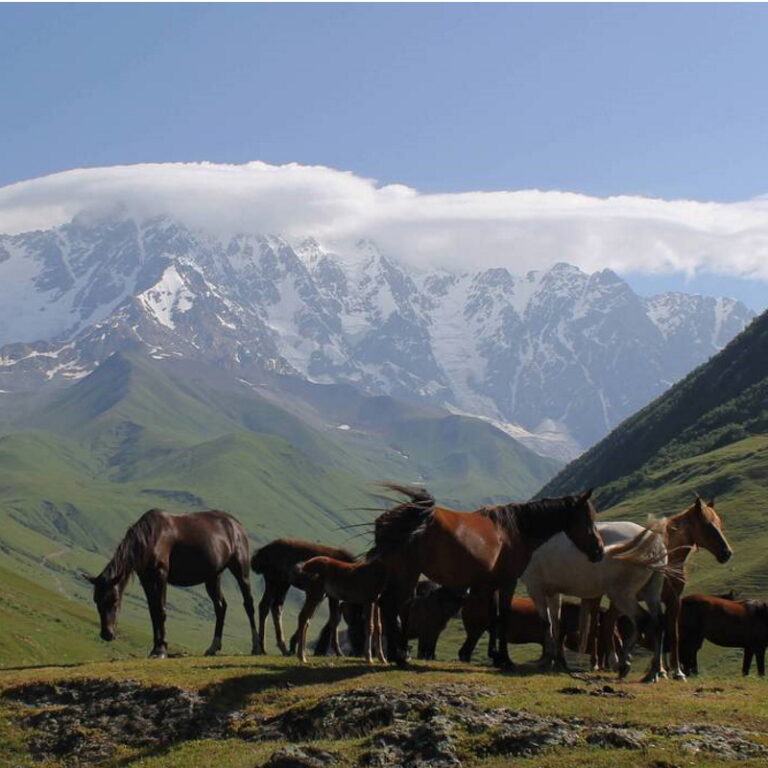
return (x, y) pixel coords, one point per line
(538, 519)
(130, 552)
(396, 527)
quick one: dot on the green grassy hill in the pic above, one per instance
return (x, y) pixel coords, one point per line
(80, 466)
(707, 434)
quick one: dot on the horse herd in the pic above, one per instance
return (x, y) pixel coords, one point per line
(472, 562)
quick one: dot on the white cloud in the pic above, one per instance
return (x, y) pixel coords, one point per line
(518, 229)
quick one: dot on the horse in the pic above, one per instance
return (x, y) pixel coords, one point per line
(728, 623)
(277, 562)
(488, 548)
(633, 569)
(432, 608)
(525, 625)
(360, 583)
(697, 527)
(182, 550)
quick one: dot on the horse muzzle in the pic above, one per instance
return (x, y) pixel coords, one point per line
(725, 556)
(596, 555)
(108, 635)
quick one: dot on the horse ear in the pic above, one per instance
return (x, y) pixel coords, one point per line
(586, 495)
(698, 502)
(711, 502)
(87, 577)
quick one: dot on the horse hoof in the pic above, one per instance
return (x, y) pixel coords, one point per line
(624, 670)
(158, 655)
(652, 677)
(679, 675)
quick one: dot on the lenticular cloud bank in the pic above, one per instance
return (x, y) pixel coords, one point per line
(520, 230)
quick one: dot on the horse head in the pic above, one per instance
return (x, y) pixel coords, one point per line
(707, 530)
(581, 529)
(107, 595)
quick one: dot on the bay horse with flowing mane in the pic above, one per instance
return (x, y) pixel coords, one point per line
(183, 550)
(488, 548)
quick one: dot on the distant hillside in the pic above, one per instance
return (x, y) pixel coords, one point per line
(288, 459)
(721, 402)
(708, 434)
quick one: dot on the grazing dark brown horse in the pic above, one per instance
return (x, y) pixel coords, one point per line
(358, 583)
(728, 623)
(183, 550)
(525, 624)
(489, 548)
(432, 608)
(277, 562)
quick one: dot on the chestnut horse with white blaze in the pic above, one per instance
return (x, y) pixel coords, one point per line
(487, 549)
(183, 550)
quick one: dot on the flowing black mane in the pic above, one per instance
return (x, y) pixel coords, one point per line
(130, 552)
(538, 520)
(397, 526)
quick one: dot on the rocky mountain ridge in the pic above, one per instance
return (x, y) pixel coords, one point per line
(555, 357)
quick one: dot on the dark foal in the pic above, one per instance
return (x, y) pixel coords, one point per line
(432, 608)
(183, 550)
(525, 624)
(277, 562)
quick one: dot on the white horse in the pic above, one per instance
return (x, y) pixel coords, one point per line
(632, 569)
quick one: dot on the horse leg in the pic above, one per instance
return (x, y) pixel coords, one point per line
(502, 660)
(311, 602)
(673, 630)
(651, 594)
(378, 634)
(213, 588)
(747, 661)
(394, 604)
(369, 619)
(760, 654)
(241, 571)
(493, 613)
(264, 605)
(555, 605)
(627, 605)
(330, 632)
(278, 598)
(154, 585)
(541, 602)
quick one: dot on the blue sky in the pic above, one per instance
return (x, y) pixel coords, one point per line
(654, 100)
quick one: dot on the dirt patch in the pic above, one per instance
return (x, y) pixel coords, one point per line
(87, 720)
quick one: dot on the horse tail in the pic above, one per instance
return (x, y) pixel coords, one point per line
(644, 550)
(397, 527)
(260, 559)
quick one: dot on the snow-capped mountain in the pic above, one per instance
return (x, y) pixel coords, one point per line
(556, 357)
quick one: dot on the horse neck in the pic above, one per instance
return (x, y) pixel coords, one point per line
(679, 538)
(537, 522)
(128, 557)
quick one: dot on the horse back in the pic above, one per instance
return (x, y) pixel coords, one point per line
(461, 549)
(278, 559)
(729, 623)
